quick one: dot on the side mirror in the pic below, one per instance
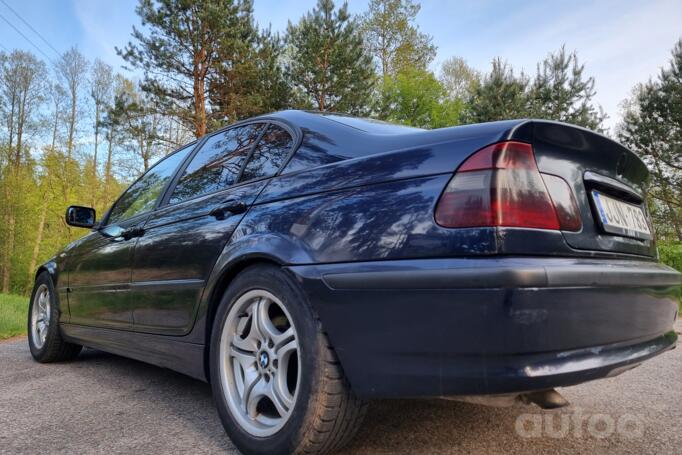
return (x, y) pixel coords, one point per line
(80, 216)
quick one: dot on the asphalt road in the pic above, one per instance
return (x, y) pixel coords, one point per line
(102, 403)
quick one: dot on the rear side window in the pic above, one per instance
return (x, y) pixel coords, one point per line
(217, 164)
(141, 196)
(269, 154)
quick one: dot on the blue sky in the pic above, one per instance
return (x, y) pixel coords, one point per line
(621, 42)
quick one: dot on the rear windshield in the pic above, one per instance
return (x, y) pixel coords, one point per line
(369, 125)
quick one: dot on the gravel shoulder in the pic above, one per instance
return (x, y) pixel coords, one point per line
(101, 403)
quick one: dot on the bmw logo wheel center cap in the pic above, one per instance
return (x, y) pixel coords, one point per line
(264, 359)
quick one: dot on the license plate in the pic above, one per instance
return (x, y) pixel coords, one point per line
(622, 218)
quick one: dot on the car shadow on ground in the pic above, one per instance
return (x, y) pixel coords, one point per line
(184, 410)
(391, 426)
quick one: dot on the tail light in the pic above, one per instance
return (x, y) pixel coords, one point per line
(500, 185)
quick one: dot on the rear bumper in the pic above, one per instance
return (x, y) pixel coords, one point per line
(491, 326)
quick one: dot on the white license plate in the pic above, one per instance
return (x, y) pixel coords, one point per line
(622, 218)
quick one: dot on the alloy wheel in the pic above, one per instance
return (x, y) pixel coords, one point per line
(40, 316)
(259, 366)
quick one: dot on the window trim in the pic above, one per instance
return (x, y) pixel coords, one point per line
(105, 220)
(296, 136)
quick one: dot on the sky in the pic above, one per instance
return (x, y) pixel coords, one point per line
(621, 43)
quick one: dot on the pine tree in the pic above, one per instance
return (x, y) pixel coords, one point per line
(561, 92)
(179, 53)
(249, 80)
(652, 127)
(501, 95)
(328, 64)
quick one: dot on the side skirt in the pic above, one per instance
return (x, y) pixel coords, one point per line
(162, 351)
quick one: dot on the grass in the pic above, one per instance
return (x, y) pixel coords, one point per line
(13, 314)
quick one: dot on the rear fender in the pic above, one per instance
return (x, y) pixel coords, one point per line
(238, 254)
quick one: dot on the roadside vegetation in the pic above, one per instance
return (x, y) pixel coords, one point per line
(13, 314)
(75, 131)
(671, 254)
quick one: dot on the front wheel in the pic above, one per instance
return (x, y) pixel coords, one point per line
(277, 383)
(44, 337)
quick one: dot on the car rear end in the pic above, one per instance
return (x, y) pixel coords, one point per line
(571, 292)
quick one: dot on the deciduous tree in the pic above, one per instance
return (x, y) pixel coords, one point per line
(458, 78)
(415, 97)
(394, 39)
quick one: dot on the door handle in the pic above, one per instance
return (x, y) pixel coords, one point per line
(132, 232)
(232, 206)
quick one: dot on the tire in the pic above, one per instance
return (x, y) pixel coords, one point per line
(44, 336)
(318, 412)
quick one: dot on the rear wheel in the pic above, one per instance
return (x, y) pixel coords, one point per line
(44, 337)
(277, 383)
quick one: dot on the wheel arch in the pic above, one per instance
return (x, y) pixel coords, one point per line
(50, 267)
(243, 251)
(227, 275)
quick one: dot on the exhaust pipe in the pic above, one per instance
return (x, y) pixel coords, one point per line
(546, 399)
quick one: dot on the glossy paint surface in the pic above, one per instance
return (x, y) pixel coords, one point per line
(472, 326)
(354, 201)
(99, 278)
(175, 256)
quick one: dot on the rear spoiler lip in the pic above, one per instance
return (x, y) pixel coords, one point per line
(593, 177)
(532, 130)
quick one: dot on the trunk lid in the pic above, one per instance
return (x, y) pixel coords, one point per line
(591, 163)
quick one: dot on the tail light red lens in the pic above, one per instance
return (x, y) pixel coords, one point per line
(500, 185)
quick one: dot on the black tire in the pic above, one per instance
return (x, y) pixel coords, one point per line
(325, 414)
(54, 349)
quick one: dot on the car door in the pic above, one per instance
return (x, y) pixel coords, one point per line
(184, 238)
(100, 264)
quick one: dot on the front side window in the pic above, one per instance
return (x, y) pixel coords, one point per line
(216, 166)
(269, 154)
(141, 196)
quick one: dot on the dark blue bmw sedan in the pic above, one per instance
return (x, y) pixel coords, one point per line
(303, 263)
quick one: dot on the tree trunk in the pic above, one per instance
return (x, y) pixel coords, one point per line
(54, 130)
(36, 245)
(95, 182)
(9, 252)
(72, 125)
(10, 121)
(107, 166)
(199, 74)
(668, 196)
(96, 136)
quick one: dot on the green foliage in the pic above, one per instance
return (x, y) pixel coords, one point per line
(252, 82)
(13, 315)
(670, 253)
(393, 39)
(184, 45)
(416, 98)
(501, 95)
(328, 65)
(459, 79)
(561, 92)
(206, 63)
(652, 127)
